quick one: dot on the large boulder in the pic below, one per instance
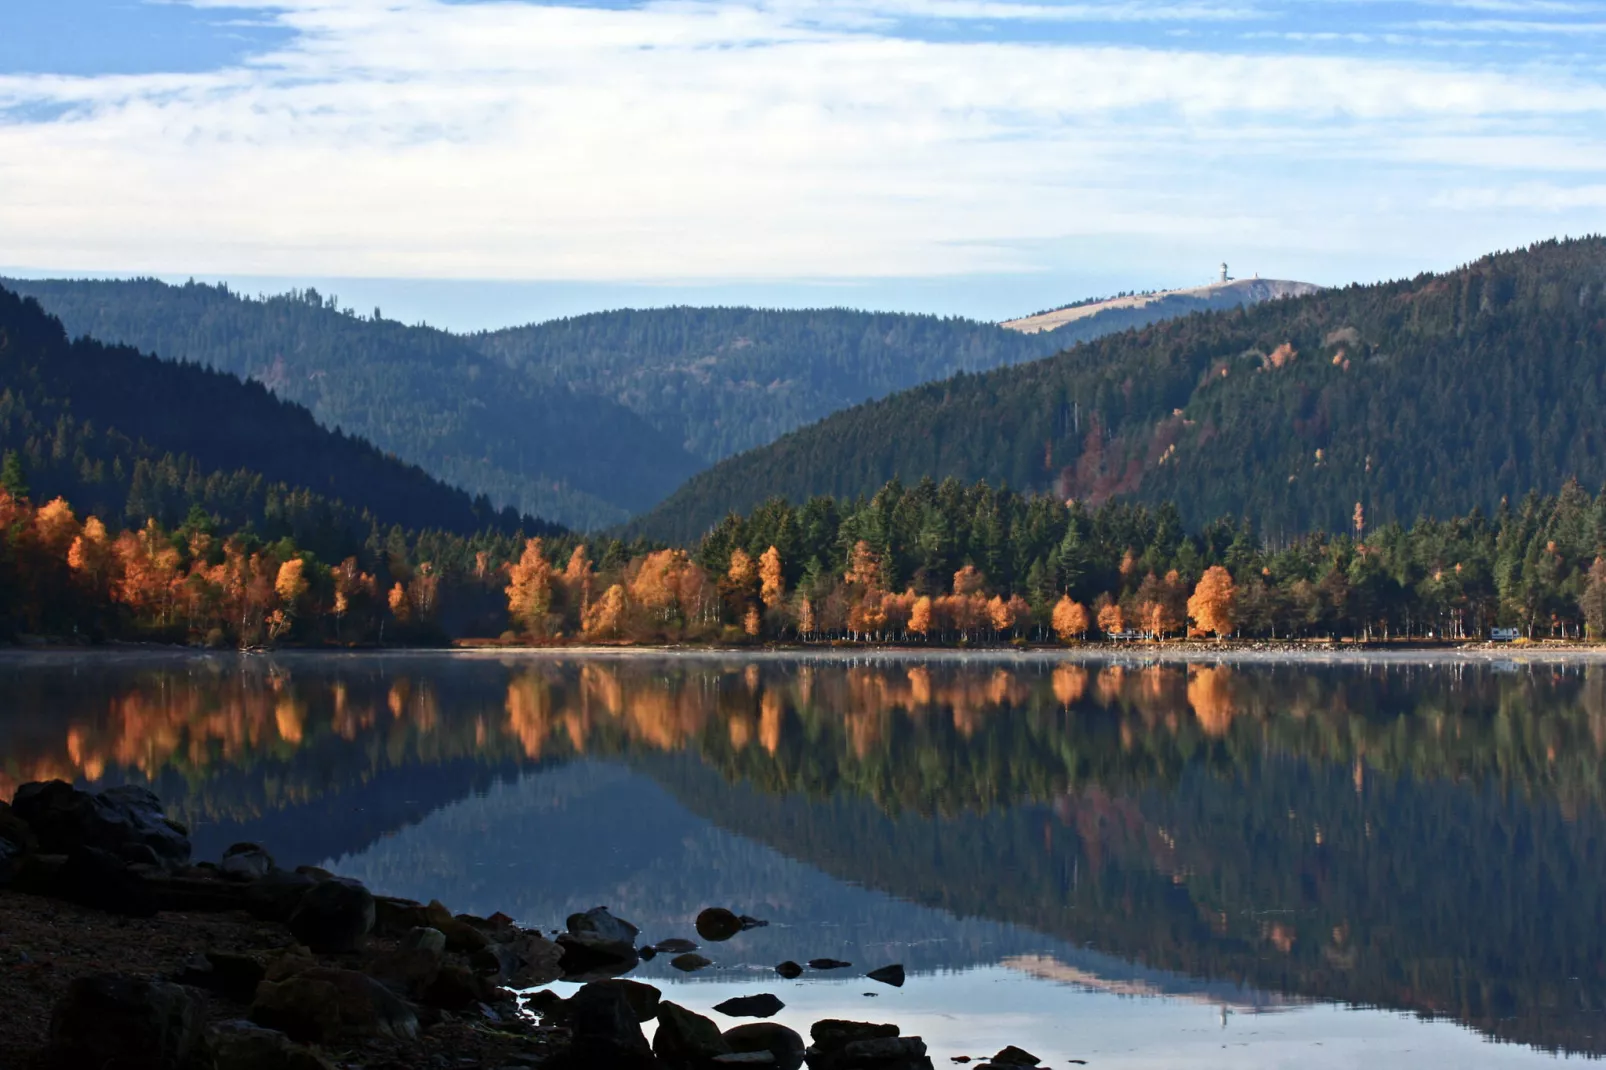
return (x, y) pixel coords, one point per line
(93, 877)
(782, 1043)
(276, 894)
(763, 1005)
(605, 1030)
(844, 1045)
(600, 923)
(126, 821)
(686, 1040)
(107, 1020)
(642, 997)
(333, 916)
(322, 1004)
(586, 957)
(239, 1045)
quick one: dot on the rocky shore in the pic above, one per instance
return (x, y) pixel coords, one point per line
(120, 952)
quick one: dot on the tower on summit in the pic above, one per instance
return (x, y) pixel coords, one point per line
(1224, 276)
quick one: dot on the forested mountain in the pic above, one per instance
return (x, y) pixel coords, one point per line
(584, 420)
(128, 437)
(723, 380)
(422, 394)
(1428, 395)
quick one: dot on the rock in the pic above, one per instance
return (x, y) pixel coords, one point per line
(395, 917)
(690, 962)
(196, 894)
(642, 997)
(317, 873)
(246, 862)
(322, 1004)
(789, 969)
(63, 818)
(457, 987)
(233, 975)
(240, 1045)
(750, 922)
(277, 894)
(828, 964)
(835, 1032)
(12, 856)
(460, 935)
(409, 970)
(1013, 1056)
(647, 954)
(605, 1029)
(333, 916)
(526, 958)
(763, 1005)
(717, 924)
(14, 830)
(674, 946)
(783, 1043)
(104, 1018)
(585, 957)
(424, 938)
(549, 1005)
(599, 923)
(93, 877)
(888, 975)
(686, 1041)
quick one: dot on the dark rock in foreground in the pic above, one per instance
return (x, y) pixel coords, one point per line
(783, 1044)
(333, 916)
(106, 1018)
(686, 1040)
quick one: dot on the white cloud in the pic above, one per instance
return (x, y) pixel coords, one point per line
(685, 140)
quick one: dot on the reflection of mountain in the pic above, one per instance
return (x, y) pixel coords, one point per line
(1422, 839)
(1433, 897)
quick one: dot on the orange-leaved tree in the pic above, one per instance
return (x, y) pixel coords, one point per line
(529, 589)
(1211, 606)
(1070, 619)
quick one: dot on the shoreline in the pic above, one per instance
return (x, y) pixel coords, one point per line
(1178, 652)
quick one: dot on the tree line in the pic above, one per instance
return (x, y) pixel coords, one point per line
(935, 563)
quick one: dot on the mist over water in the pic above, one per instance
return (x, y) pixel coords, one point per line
(1136, 863)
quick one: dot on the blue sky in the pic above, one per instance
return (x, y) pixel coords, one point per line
(477, 163)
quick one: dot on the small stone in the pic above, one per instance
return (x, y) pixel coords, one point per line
(236, 975)
(828, 964)
(686, 1041)
(717, 924)
(333, 916)
(763, 1005)
(690, 962)
(1013, 1056)
(782, 1043)
(674, 946)
(321, 1004)
(789, 970)
(888, 975)
(648, 953)
(246, 862)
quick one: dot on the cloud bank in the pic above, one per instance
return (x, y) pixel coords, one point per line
(849, 138)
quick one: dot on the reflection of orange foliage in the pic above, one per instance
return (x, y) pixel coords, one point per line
(920, 685)
(740, 730)
(1210, 695)
(1280, 936)
(1109, 684)
(1070, 684)
(529, 713)
(769, 725)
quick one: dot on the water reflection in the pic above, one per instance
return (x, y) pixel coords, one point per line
(1428, 839)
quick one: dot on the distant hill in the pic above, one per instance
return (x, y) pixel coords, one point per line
(1432, 394)
(124, 435)
(422, 394)
(1093, 319)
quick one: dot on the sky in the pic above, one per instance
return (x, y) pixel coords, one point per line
(475, 163)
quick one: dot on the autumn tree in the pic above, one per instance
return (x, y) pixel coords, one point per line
(772, 581)
(920, 622)
(1111, 619)
(1070, 619)
(1592, 602)
(1212, 604)
(604, 619)
(529, 589)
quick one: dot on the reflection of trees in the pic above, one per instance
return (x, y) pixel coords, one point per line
(1422, 839)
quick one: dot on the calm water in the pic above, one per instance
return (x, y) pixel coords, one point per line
(1138, 865)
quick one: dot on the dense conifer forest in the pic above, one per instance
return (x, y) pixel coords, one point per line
(1425, 396)
(584, 420)
(419, 393)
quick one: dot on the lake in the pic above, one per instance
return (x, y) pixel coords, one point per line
(1378, 863)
